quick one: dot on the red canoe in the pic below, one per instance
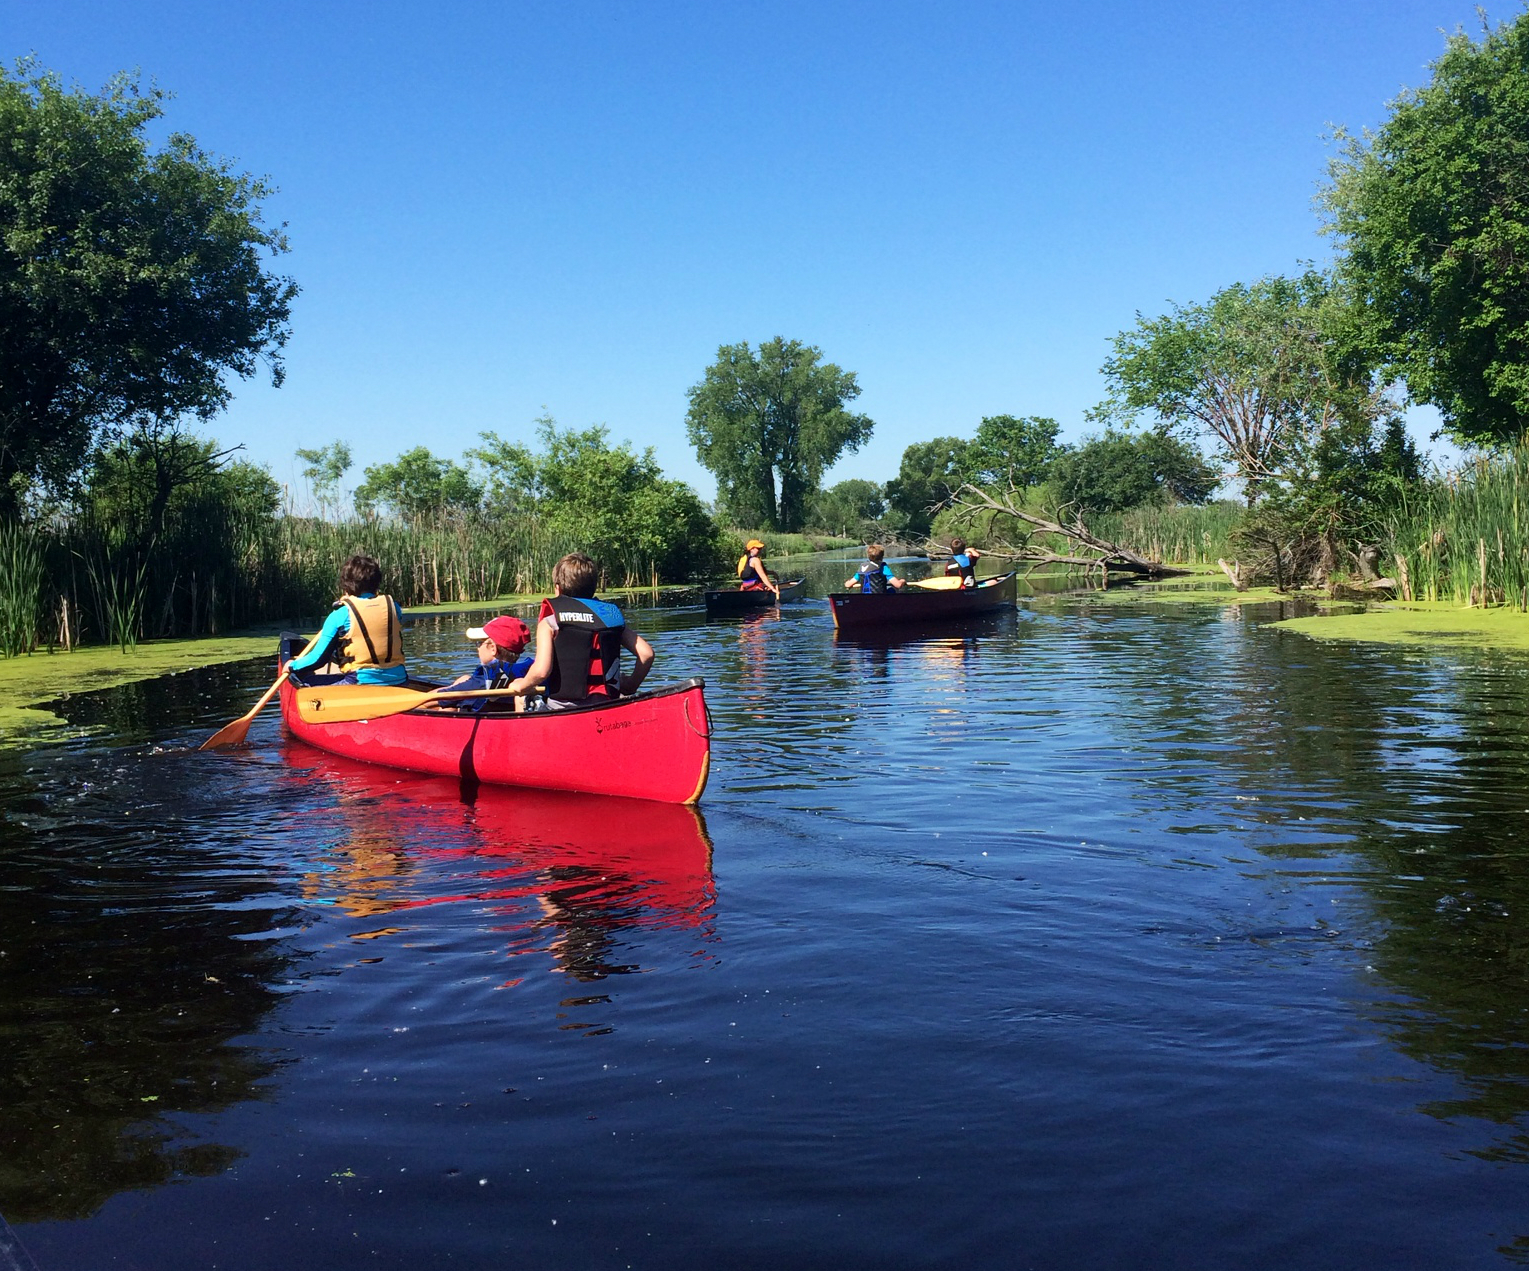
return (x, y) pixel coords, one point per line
(656, 745)
(863, 611)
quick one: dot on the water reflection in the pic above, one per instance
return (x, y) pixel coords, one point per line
(131, 960)
(570, 876)
(1400, 776)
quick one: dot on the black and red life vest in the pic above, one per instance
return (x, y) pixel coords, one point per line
(961, 563)
(586, 651)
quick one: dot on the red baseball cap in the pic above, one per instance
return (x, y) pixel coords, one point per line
(505, 631)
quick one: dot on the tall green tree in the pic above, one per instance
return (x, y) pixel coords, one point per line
(613, 500)
(1120, 470)
(1012, 451)
(1431, 214)
(930, 472)
(132, 279)
(1259, 369)
(849, 506)
(768, 424)
(417, 485)
(323, 468)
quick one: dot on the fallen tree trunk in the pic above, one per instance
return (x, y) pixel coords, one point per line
(975, 504)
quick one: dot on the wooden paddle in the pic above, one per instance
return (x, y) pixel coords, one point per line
(233, 734)
(346, 703)
(946, 582)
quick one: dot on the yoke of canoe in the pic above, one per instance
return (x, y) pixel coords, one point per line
(653, 745)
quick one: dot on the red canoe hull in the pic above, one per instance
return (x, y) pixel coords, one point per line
(653, 746)
(859, 611)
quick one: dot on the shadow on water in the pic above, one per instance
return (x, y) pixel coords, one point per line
(149, 920)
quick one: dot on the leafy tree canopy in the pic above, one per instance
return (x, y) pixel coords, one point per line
(931, 471)
(131, 280)
(417, 485)
(846, 507)
(1012, 451)
(1258, 368)
(324, 468)
(1432, 216)
(769, 424)
(1118, 470)
(143, 482)
(614, 501)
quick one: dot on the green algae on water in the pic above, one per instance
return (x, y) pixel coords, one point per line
(1435, 623)
(28, 681)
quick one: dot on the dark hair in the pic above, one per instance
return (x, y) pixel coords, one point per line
(359, 574)
(875, 552)
(957, 545)
(576, 575)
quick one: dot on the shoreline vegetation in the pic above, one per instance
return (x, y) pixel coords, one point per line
(1440, 624)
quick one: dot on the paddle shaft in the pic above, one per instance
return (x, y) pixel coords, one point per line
(233, 734)
(350, 702)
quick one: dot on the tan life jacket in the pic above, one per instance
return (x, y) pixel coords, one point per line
(374, 638)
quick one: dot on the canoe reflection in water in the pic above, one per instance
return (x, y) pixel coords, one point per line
(575, 873)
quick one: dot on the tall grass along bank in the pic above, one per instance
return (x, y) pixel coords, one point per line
(1464, 537)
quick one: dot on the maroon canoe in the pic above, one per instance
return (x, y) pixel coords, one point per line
(865, 611)
(655, 745)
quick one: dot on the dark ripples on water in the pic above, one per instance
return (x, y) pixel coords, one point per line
(1088, 936)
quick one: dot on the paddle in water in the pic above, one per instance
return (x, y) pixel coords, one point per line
(233, 734)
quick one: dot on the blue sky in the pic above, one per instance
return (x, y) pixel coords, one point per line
(566, 207)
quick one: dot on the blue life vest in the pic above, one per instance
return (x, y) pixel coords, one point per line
(874, 579)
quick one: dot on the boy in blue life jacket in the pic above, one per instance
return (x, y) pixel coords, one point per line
(579, 640)
(501, 656)
(874, 575)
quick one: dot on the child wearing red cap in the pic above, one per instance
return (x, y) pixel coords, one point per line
(501, 655)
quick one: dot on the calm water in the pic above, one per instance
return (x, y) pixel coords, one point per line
(1084, 937)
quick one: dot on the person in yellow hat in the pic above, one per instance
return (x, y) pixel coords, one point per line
(752, 575)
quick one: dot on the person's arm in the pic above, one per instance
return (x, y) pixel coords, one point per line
(973, 552)
(851, 581)
(338, 621)
(642, 651)
(896, 583)
(541, 668)
(764, 577)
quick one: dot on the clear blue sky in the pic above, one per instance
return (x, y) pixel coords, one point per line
(501, 208)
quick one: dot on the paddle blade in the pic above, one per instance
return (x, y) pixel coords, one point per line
(229, 735)
(948, 582)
